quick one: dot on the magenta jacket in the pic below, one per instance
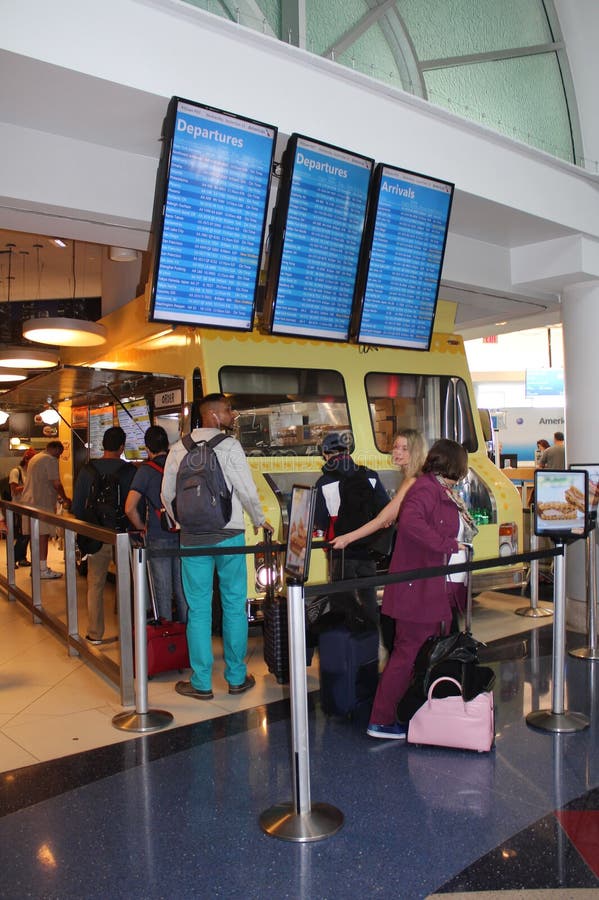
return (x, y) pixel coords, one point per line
(427, 531)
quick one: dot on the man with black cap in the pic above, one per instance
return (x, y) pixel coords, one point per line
(343, 478)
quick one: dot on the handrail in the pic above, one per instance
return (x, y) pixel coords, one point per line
(119, 673)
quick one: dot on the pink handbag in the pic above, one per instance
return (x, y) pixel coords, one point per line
(453, 721)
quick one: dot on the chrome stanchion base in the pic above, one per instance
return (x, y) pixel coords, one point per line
(538, 612)
(152, 720)
(564, 722)
(585, 653)
(283, 822)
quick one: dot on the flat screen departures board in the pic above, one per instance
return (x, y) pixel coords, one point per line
(403, 257)
(317, 235)
(209, 216)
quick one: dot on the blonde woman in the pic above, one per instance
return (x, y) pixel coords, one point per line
(408, 454)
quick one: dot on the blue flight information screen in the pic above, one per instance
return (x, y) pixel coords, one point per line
(322, 238)
(214, 218)
(406, 256)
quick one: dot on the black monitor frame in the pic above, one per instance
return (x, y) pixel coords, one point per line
(282, 234)
(561, 490)
(190, 261)
(368, 248)
(513, 460)
(299, 534)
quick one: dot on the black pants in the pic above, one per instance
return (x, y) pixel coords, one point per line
(21, 541)
(357, 568)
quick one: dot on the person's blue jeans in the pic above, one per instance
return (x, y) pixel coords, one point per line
(168, 584)
(198, 577)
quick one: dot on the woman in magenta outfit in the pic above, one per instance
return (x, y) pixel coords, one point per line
(433, 524)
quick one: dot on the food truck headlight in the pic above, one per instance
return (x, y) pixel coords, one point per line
(267, 576)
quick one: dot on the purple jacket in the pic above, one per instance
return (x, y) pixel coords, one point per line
(427, 532)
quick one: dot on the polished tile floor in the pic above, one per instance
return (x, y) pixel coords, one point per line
(175, 814)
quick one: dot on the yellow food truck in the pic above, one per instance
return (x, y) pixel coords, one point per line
(289, 392)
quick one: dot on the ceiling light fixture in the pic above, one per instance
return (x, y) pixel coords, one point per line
(49, 416)
(58, 242)
(27, 358)
(7, 375)
(122, 254)
(65, 332)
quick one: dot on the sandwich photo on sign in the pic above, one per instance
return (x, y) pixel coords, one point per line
(561, 507)
(299, 536)
(592, 469)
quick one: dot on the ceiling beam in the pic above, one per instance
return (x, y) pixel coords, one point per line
(489, 56)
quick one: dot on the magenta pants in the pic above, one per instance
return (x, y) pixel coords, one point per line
(394, 681)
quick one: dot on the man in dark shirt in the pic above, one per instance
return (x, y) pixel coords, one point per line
(143, 506)
(110, 463)
(356, 561)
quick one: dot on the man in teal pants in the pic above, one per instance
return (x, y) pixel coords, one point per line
(198, 571)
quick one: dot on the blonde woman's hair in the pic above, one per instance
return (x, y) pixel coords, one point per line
(416, 448)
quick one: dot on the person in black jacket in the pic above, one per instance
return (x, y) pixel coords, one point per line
(356, 561)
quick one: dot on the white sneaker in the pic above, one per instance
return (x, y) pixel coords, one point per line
(50, 573)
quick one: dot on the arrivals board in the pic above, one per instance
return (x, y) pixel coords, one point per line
(403, 258)
(319, 227)
(209, 216)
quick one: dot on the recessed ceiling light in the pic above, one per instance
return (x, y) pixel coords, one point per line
(58, 242)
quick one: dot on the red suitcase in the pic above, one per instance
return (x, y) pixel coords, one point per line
(167, 646)
(166, 641)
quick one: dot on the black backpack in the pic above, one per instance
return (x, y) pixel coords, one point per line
(359, 504)
(105, 504)
(203, 499)
(5, 488)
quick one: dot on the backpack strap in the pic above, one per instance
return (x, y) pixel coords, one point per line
(189, 443)
(153, 465)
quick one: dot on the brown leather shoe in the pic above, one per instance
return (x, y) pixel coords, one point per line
(187, 689)
(247, 685)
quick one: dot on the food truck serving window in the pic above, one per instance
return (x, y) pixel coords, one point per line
(285, 412)
(436, 405)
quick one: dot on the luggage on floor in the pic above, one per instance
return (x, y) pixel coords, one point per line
(454, 721)
(453, 656)
(349, 667)
(166, 641)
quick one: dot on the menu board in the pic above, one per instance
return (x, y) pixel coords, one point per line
(134, 419)
(403, 256)
(99, 420)
(316, 245)
(210, 212)
(299, 537)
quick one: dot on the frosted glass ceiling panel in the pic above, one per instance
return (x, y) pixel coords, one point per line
(327, 21)
(441, 28)
(507, 96)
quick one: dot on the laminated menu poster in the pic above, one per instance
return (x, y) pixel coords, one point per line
(561, 503)
(134, 419)
(592, 470)
(299, 537)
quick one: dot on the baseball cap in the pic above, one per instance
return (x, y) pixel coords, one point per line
(337, 442)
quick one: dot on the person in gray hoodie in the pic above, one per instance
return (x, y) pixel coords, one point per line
(198, 571)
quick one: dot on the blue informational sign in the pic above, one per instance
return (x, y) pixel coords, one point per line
(326, 196)
(214, 216)
(405, 260)
(544, 382)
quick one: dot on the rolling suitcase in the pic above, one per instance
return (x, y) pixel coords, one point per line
(349, 669)
(348, 645)
(166, 641)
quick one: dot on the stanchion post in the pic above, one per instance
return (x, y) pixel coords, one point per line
(143, 719)
(590, 651)
(299, 820)
(534, 611)
(557, 719)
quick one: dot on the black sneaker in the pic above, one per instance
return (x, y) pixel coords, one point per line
(97, 641)
(247, 685)
(23, 564)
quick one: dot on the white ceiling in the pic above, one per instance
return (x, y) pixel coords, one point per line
(50, 99)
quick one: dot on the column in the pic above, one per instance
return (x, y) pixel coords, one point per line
(580, 317)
